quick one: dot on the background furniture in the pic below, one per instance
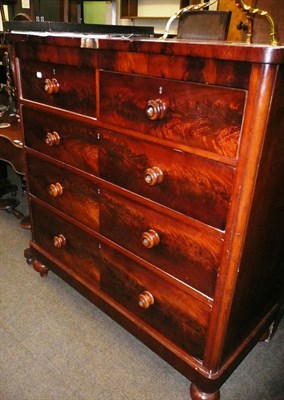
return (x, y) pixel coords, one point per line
(129, 8)
(204, 25)
(157, 191)
(12, 152)
(11, 141)
(51, 10)
(261, 27)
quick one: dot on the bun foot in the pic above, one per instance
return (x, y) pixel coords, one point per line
(39, 267)
(29, 256)
(196, 394)
(25, 222)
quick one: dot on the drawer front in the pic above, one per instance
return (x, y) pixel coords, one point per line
(71, 142)
(175, 314)
(202, 116)
(77, 250)
(190, 184)
(72, 194)
(75, 90)
(188, 252)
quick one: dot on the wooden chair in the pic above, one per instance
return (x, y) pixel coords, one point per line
(204, 25)
(198, 23)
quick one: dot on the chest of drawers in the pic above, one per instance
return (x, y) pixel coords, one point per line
(155, 176)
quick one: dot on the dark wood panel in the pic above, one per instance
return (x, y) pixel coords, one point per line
(192, 185)
(192, 69)
(76, 86)
(201, 116)
(210, 50)
(79, 198)
(190, 253)
(77, 144)
(261, 274)
(65, 55)
(124, 280)
(81, 252)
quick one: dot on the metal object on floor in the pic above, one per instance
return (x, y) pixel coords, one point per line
(9, 204)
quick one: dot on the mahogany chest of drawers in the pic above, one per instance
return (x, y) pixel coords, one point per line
(155, 178)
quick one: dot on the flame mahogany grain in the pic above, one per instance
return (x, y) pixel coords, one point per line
(192, 185)
(201, 116)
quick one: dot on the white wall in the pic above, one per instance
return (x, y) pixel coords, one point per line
(158, 7)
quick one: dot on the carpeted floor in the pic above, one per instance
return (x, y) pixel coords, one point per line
(55, 345)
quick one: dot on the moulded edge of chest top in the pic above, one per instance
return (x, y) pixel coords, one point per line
(223, 50)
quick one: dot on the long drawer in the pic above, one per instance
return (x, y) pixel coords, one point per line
(61, 86)
(68, 192)
(187, 183)
(76, 249)
(172, 312)
(192, 185)
(202, 116)
(188, 251)
(72, 142)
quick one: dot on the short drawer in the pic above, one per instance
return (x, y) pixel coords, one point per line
(70, 193)
(201, 116)
(70, 88)
(188, 251)
(72, 142)
(76, 249)
(177, 315)
(187, 183)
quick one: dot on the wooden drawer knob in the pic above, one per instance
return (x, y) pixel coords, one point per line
(145, 299)
(59, 241)
(55, 189)
(52, 139)
(155, 109)
(153, 176)
(51, 86)
(150, 239)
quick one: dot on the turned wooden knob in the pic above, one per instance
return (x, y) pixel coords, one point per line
(51, 86)
(55, 189)
(155, 109)
(153, 176)
(145, 299)
(52, 139)
(150, 238)
(59, 241)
